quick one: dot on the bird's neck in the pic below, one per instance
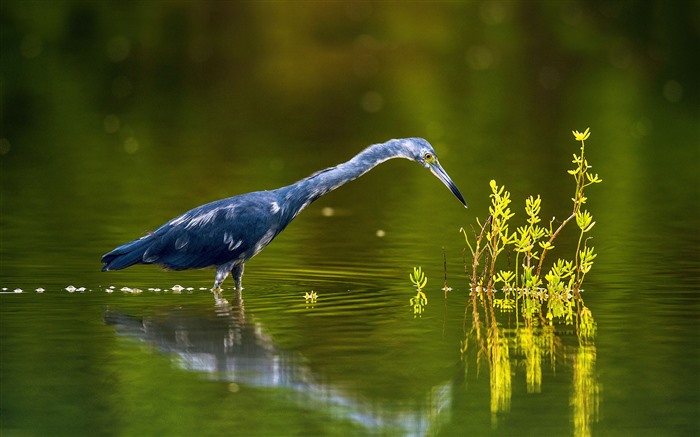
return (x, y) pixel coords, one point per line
(307, 190)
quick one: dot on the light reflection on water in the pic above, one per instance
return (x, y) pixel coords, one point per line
(229, 342)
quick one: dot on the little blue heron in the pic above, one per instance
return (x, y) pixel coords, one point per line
(226, 233)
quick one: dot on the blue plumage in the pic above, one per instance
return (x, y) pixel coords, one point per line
(226, 233)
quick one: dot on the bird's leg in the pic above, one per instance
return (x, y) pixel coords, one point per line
(221, 275)
(237, 273)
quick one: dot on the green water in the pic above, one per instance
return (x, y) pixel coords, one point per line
(117, 117)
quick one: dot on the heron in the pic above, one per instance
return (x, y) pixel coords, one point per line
(226, 233)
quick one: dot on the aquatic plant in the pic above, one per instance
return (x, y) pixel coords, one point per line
(420, 300)
(515, 307)
(554, 295)
(310, 297)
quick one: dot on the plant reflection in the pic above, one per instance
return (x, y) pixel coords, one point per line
(499, 372)
(586, 391)
(231, 347)
(509, 345)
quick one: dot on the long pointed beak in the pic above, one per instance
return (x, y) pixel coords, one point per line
(441, 174)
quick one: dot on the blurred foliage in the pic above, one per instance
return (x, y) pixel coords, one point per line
(103, 90)
(245, 67)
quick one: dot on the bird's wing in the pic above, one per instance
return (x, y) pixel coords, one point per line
(214, 234)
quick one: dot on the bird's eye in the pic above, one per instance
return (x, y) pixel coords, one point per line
(428, 157)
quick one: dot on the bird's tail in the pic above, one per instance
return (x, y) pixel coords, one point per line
(127, 254)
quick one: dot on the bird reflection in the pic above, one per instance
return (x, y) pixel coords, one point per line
(221, 342)
(229, 347)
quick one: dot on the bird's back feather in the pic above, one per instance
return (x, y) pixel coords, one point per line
(225, 231)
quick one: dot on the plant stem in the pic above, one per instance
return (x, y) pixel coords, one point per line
(477, 254)
(554, 235)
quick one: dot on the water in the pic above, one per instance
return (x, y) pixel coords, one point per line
(109, 131)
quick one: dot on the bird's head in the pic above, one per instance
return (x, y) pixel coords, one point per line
(423, 153)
